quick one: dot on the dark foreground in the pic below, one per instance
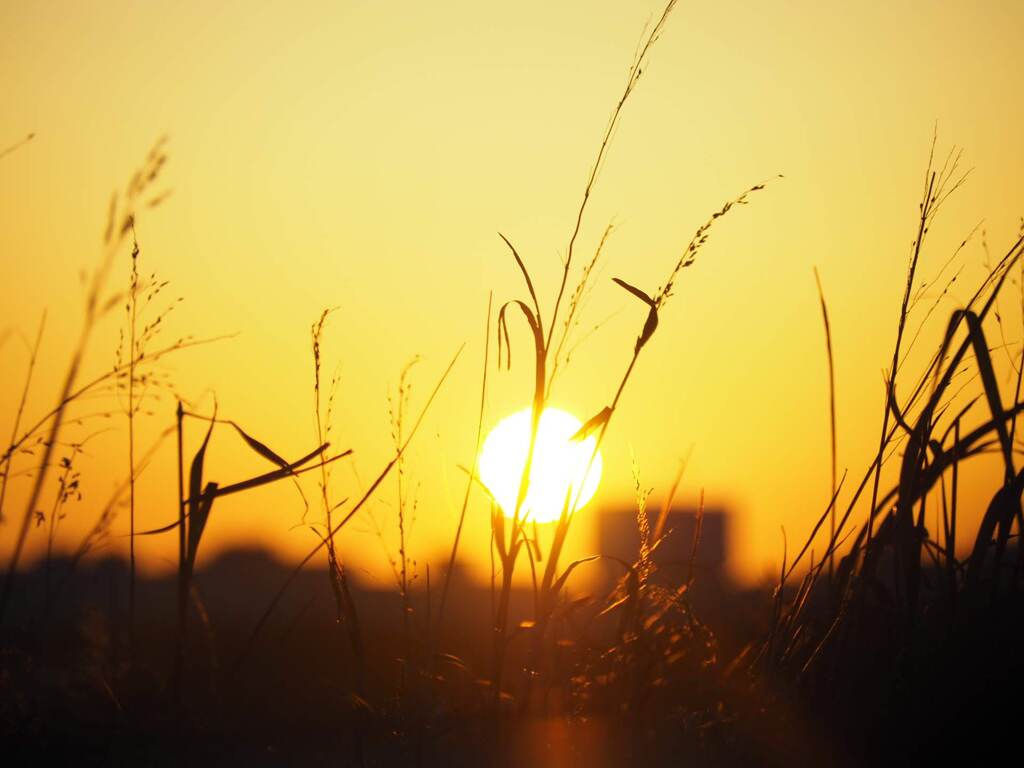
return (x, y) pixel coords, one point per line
(724, 695)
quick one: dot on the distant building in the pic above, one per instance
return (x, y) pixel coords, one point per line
(619, 536)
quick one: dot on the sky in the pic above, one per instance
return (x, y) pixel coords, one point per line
(364, 157)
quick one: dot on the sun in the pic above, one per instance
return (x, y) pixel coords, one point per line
(559, 463)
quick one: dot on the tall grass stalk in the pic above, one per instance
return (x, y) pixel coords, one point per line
(508, 550)
(257, 629)
(346, 615)
(132, 308)
(119, 224)
(68, 488)
(831, 415)
(472, 472)
(635, 71)
(397, 414)
(182, 595)
(887, 553)
(937, 188)
(5, 464)
(543, 346)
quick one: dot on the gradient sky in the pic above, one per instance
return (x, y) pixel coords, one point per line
(364, 155)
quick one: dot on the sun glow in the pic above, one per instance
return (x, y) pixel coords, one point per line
(559, 463)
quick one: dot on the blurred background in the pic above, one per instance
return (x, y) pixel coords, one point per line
(364, 156)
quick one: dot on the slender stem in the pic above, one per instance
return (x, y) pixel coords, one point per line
(261, 622)
(179, 655)
(832, 418)
(48, 447)
(58, 502)
(133, 307)
(472, 473)
(5, 464)
(634, 75)
(93, 310)
(78, 393)
(890, 390)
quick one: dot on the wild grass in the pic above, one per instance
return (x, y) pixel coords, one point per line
(120, 222)
(874, 615)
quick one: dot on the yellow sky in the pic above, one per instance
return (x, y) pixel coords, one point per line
(364, 156)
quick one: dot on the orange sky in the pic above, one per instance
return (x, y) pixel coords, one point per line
(364, 155)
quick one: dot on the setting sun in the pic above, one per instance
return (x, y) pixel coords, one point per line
(558, 463)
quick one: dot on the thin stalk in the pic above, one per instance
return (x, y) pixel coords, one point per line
(111, 374)
(403, 584)
(510, 553)
(113, 239)
(179, 653)
(58, 503)
(265, 616)
(951, 537)
(634, 75)
(901, 326)
(48, 447)
(345, 610)
(106, 516)
(132, 309)
(5, 464)
(832, 418)
(472, 473)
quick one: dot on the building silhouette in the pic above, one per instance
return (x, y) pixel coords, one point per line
(679, 553)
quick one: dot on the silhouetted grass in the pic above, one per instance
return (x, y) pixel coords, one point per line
(877, 630)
